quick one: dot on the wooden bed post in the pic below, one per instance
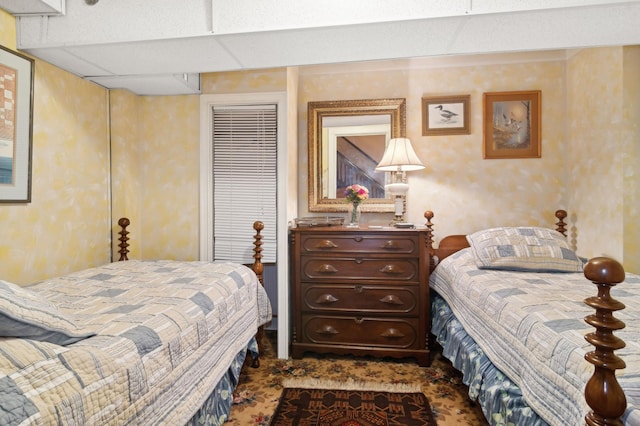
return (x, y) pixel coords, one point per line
(561, 226)
(123, 222)
(429, 215)
(603, 392)
(258, 268)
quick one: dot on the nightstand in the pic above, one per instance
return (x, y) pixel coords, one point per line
(360, 291)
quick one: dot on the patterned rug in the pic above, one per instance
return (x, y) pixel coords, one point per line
(259, 390)
(351, 404)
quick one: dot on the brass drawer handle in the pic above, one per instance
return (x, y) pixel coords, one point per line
(327, 269)
(391, 245)
(392, 299)
(393, 333)
(392, 270)
(326, 244)
(326, 299)
(327, 329)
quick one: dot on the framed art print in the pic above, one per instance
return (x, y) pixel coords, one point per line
(16, 126)
(445, 115)
(512, 125)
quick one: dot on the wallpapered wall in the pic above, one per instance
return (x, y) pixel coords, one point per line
(465, 191)
(604, 142)
(66, 226)
(155, 156)
(155, 150)
(631, 138)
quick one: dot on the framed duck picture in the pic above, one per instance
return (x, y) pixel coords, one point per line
(512, 125)
(445, 115)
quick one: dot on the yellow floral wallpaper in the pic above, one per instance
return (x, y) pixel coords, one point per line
(102, 154)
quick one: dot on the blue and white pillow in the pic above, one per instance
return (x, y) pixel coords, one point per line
(25, 314)
(523, 249)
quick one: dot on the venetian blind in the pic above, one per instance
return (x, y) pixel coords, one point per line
(244, 180)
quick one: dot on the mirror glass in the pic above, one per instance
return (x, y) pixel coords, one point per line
(346, 142)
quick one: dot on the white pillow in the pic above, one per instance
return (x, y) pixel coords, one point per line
(25, 314)
(523, 249)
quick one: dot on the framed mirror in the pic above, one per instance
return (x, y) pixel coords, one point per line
(346, 142)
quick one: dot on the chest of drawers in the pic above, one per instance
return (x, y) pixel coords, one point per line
(360, 291)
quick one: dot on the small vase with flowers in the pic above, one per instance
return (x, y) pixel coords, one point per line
(355, 194)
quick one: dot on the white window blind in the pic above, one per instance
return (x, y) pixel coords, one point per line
(244, 180)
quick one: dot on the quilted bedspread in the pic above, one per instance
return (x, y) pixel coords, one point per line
(166, 333)
(531, 327)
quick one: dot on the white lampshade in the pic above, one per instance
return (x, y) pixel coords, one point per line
(399, 157)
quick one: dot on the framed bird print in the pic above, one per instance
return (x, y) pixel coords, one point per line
(511, 122)
(445, 115)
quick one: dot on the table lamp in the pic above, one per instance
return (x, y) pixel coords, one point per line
(398, 158)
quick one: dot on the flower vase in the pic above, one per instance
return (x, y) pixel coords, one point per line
(354, 215)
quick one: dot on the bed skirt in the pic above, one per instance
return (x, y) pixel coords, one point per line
(216, 409)
(500, 399)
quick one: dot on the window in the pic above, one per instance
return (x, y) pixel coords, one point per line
(244, 139)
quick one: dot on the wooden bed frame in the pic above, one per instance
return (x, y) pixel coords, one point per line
(602, 392)
(256, 266)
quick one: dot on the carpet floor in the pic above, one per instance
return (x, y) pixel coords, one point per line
(260, 389)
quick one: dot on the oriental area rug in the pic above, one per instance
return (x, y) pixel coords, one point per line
(331, 403)
(260, 389)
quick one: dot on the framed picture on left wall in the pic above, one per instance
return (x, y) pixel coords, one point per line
(16, 126)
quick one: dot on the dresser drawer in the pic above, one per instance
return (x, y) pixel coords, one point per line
(361, 299)
(405, 270)
(359, 331)
(359, 243)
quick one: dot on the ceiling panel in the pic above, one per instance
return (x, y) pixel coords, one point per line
(33, 7)
(158, 57)
(151, 85)
(135, 42)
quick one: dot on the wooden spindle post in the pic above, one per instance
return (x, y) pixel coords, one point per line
(123, 223)
(258, 268)
(603, 392)
(561, 225)
(430, 251)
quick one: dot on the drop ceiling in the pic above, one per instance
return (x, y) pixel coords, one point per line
(161, 47)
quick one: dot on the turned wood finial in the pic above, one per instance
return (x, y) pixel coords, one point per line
(429, 215)
(561, 225)
(123, 223)
(603, 392)
(258, 267)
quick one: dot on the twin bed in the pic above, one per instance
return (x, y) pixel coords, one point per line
(508, 308)
(131, 342)
(163, 342)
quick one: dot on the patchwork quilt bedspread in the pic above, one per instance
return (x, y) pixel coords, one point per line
(531, 326)
(166, 332)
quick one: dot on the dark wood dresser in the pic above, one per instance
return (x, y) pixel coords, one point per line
(360, 291)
